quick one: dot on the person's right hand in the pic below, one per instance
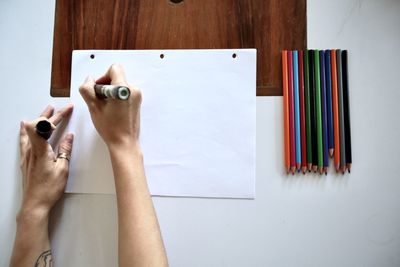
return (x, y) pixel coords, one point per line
(117, 121)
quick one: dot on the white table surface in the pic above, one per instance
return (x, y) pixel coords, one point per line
(351, 220)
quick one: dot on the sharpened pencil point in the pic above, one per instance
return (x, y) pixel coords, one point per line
(315, 168)
(337, 168)
(349, 167)
(298, 166)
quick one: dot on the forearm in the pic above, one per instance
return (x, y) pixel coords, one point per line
(140, 242)
(32, 245)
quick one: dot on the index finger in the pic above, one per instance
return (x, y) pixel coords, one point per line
(61, 114)
(115, 75)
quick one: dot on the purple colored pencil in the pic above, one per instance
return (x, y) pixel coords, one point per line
(324, 112)
(329, 107)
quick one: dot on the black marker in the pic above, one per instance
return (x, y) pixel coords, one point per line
(44, 129)
(112, 91)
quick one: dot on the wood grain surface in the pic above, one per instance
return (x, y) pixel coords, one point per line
(268, 25)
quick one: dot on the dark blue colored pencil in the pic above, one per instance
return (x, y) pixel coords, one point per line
(329, 108)
(324, 113)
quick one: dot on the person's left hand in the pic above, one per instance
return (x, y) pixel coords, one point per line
(44, 172)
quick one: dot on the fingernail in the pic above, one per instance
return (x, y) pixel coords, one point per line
(88, 78)
(21, 125)
(69, 137)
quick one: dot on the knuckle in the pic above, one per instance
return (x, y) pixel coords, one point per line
(63, 170)
(82, 90)
(137, 94)
(65, 146)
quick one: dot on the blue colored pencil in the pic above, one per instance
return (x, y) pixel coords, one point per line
(324, 113)
(297, 108)
(329, 108)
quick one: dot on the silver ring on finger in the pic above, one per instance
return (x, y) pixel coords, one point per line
(64, 155)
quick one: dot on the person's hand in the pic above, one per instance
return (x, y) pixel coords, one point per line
(116, 121)
(44, 173)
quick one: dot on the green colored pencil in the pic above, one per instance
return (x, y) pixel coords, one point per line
(308, 113)
(319, 111)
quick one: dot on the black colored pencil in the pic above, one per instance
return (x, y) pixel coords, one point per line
(313, 111)
(346, 108)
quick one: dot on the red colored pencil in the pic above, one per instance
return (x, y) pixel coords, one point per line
(291, 113)
(335, 106)
(285, 88)
(302, 115)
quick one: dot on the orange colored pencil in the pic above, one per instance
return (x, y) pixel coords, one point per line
(286, 110)
(335, 106)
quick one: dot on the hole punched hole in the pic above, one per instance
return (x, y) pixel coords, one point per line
(176, 1)
(161, 56)
(234, 55)
(92, 56)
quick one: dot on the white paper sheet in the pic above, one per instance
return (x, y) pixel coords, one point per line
(198, 122)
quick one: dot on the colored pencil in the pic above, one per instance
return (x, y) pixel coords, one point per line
(291, 114)
(335, 108)
(308, 111)
(302, 114)
(286, 110)
(346, 107)
(297, 108)
(318, 110)
(341, 111)
(313, 112)
(325, 149)
(328, 77)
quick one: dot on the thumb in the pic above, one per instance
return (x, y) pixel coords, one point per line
(39, 145)
(64, 152)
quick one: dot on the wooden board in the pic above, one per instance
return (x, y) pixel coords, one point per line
(268, 25)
